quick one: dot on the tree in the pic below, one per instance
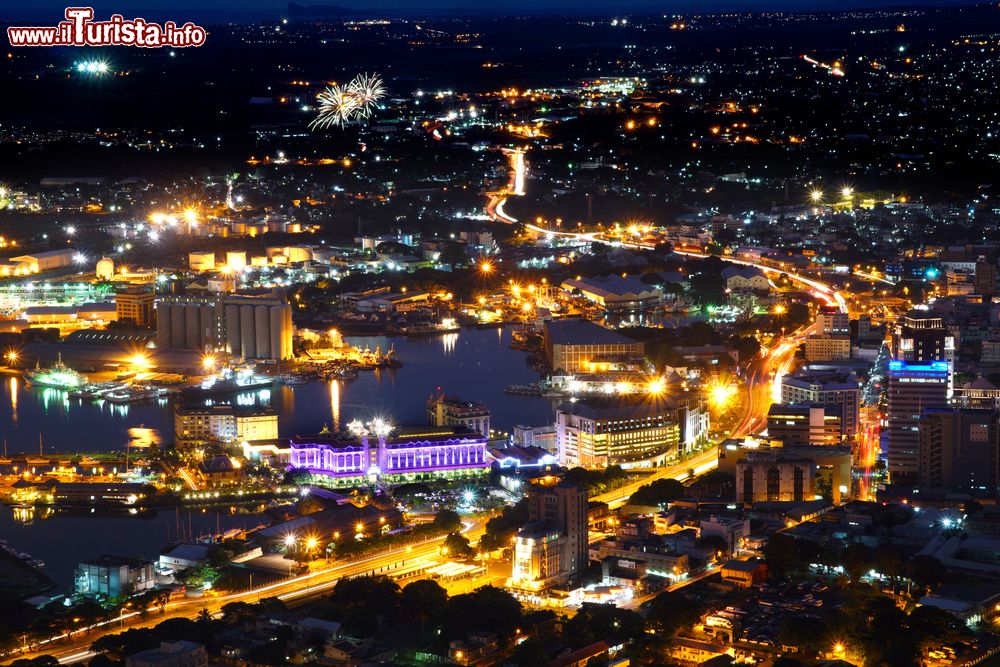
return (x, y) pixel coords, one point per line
(596, 622)
(805, 632)
(453, 255)
(659, 492)
(670, 612)
(487, 608)
(422, 599)
(447, 521)
(529, 653)
(457, 545)
(925, 571)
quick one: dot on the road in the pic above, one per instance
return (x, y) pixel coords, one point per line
(763, 382)
(317, 582)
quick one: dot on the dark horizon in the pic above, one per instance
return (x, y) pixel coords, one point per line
(252, 10)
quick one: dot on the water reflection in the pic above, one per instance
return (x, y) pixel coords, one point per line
(449, 341)
(13, 399)
(478, 368)
(335, 403)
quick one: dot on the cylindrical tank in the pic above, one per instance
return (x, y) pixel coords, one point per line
(248, 342)
(233, 330)
(192, 327)
(209, 324)
(262, 331)
(162, 325)
(277, 320)
(177, 335)
(287, 331)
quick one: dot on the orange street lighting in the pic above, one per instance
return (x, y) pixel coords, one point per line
(486, 267)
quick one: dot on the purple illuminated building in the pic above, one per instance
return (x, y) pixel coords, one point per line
(375, 453)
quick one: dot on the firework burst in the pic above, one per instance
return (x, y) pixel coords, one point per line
(369, 90)
(337, 106)
(341, 105)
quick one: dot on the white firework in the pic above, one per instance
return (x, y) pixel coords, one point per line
(337, 106)
(369, 90)
(341, 105)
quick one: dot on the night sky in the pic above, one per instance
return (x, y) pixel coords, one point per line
(236, 9)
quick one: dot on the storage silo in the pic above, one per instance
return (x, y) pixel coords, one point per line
(209, 323)
(177, 335)
(192, 327)
(162, 325)
(276, 324)
(286, 331)
(261, 330)
(233, 329)
(248, 343)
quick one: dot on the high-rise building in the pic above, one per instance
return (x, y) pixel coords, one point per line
(248, 325)
(959, 450)
(913, 388)
(805, 424)
(552, 548)
(920, 377)
(831, 321)
(828, 347)
(452, 411)
(920, 335)
(826, 388)
(135, 306)
(985, 281)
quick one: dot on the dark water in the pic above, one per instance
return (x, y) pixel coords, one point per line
(475, 364)
(63, 540)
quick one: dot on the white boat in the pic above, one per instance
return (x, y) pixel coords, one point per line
(133, 393)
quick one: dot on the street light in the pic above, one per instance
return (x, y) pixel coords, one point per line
(208, 362)
(816, 196)
(486, 267)
(847, 192)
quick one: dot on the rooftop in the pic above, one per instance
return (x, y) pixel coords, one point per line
(583, 332)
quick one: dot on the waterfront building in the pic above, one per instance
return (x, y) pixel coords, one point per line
(248, 325)
(445, 410)
(396, 457)
(551, 549)
(745, 279)
(223, 424)
(113, 576)
(573, 345)
(598, 434)
(959, 450)
(614, 293)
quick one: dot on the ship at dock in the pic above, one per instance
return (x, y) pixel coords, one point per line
(57, 376)
(229, 381)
